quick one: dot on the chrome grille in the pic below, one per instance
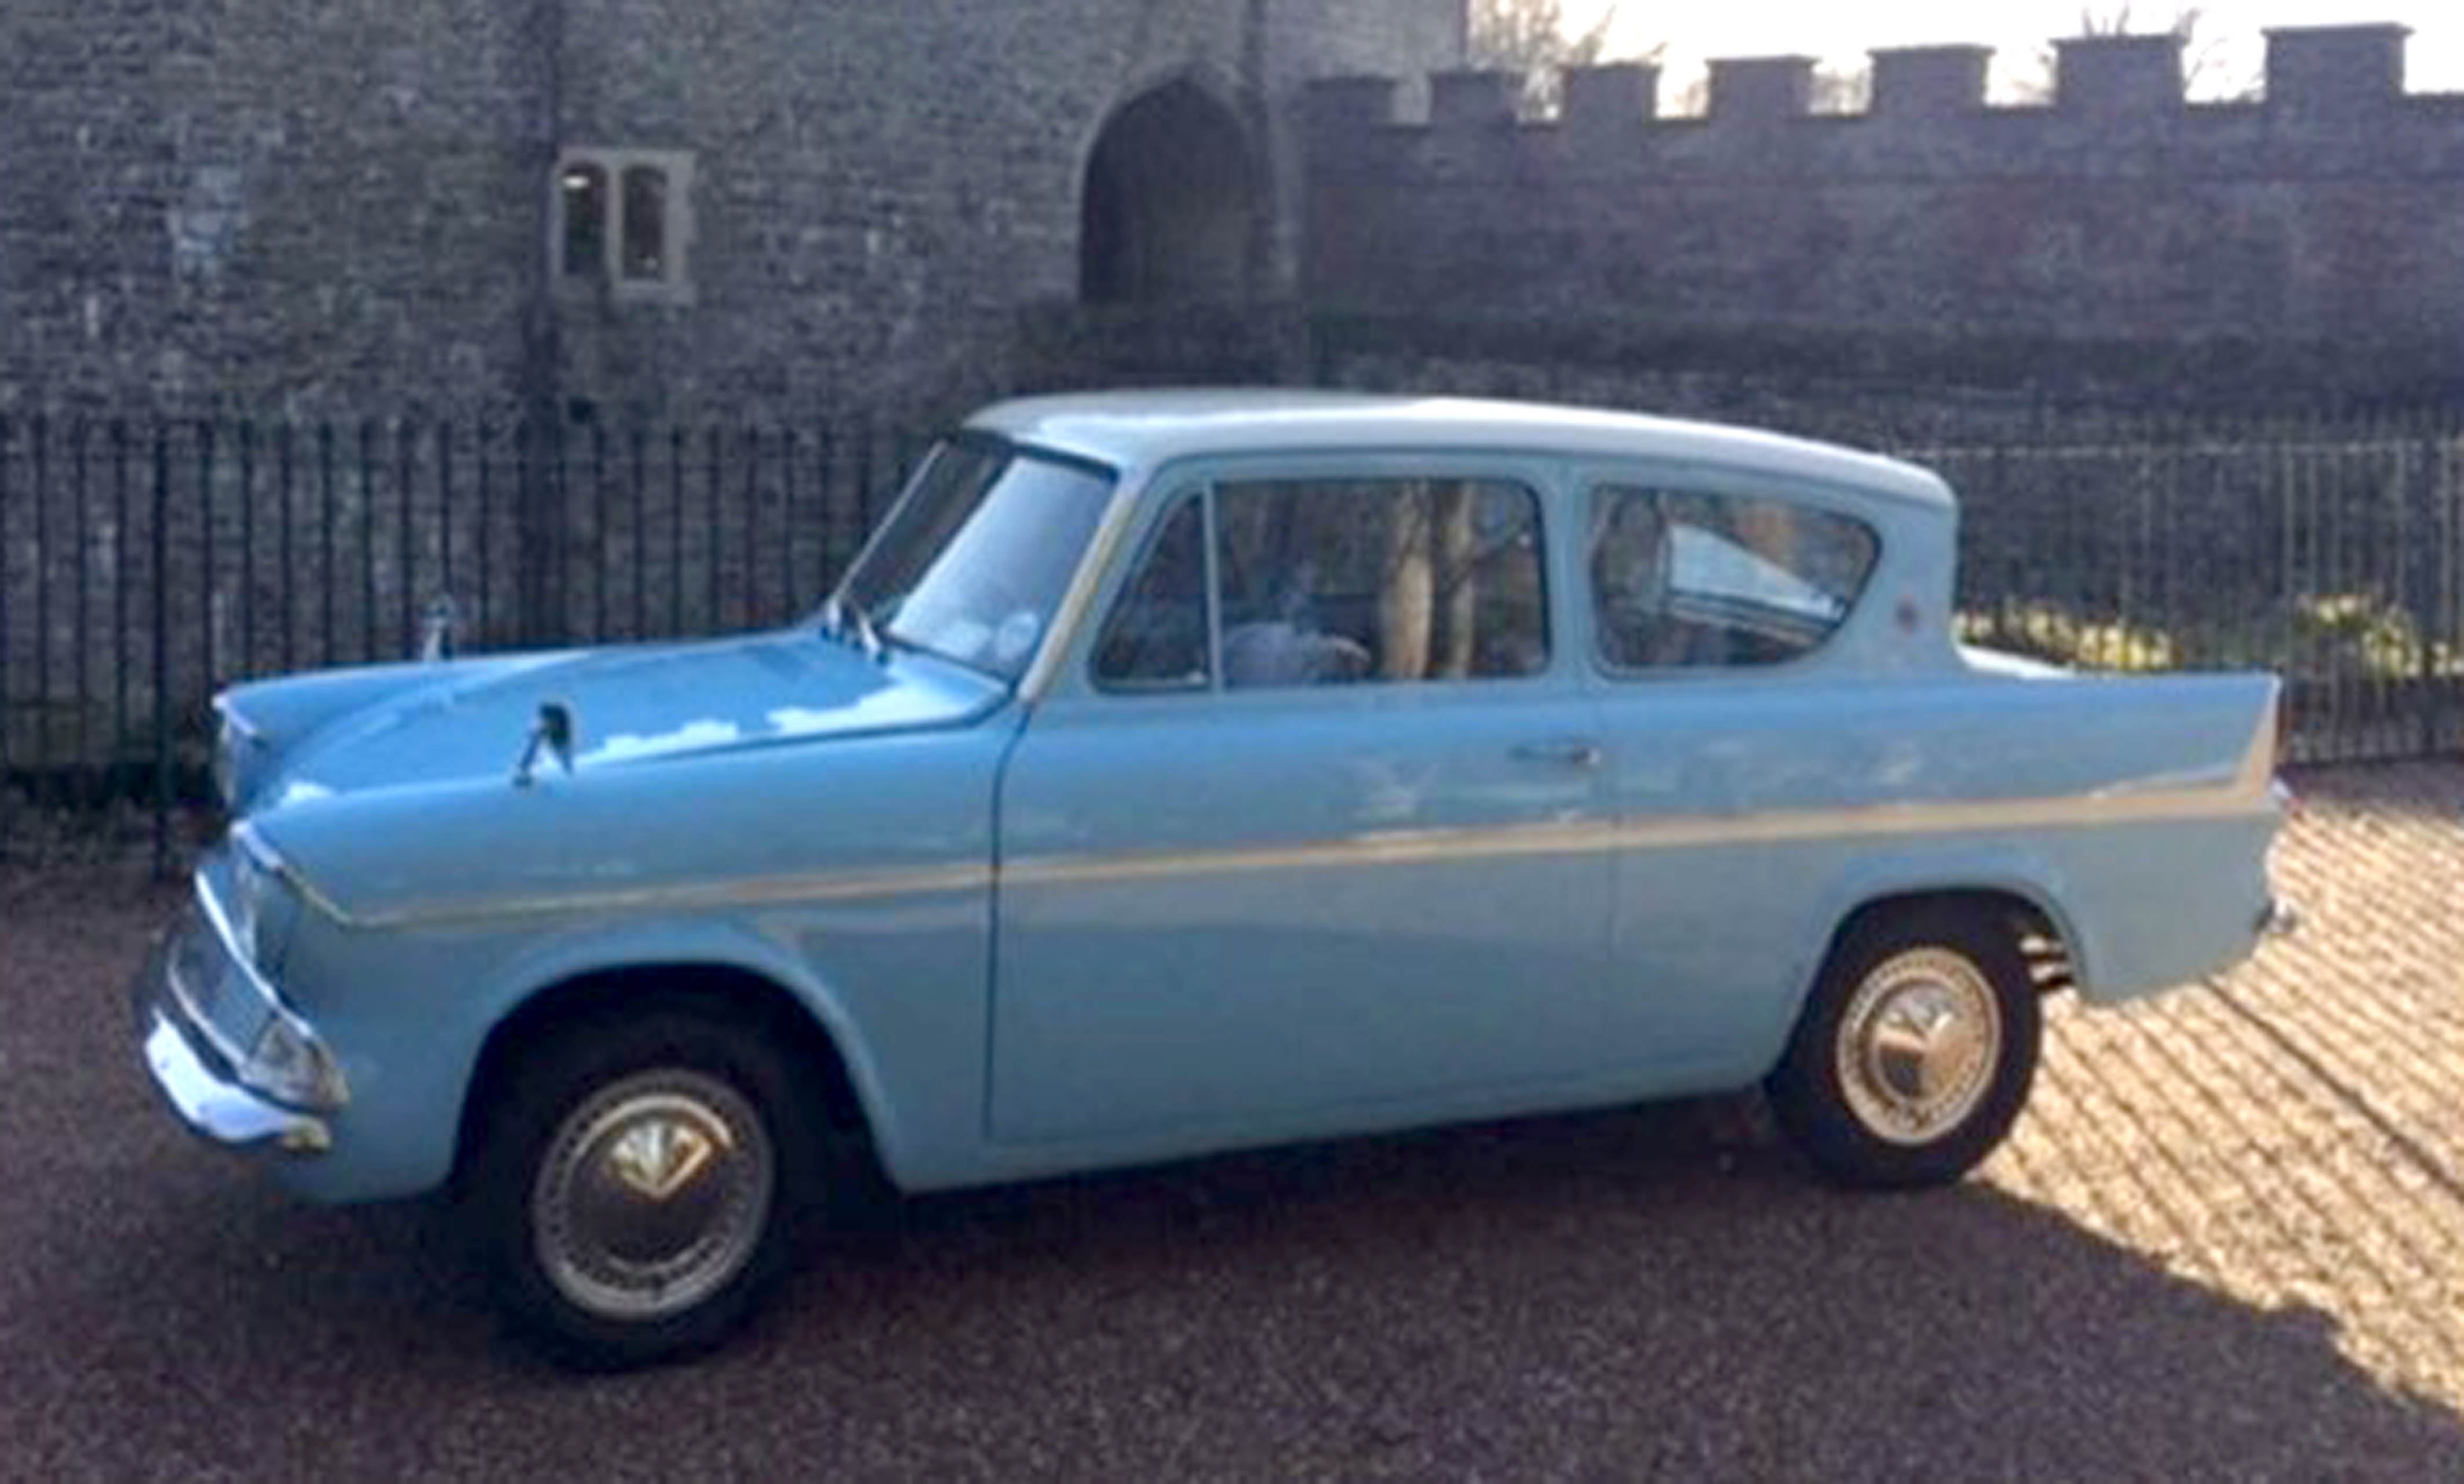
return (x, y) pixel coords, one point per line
(212, 990)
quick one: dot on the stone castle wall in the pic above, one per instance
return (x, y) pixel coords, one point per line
(251, 204)
(262, 201)
(242, 204)
(888, 186)
(2319, 228)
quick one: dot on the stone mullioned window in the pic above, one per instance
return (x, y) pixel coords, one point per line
(621, 224)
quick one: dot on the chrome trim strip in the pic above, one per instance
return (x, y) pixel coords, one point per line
(259, 849)
(1406, 847)
(193, 1016)
(1210, 533)
(1675, 832)
(230, 716)
(755, 892)
(223, 931)
(2258, 774)
(246, 835)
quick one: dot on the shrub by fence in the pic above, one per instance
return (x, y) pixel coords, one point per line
(146, 564)
(2328, 552)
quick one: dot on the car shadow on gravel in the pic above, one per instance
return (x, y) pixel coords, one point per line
(1655, 1291)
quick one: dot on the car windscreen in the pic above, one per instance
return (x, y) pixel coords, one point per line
(975, 557)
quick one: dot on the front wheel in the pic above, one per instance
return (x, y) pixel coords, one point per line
(633, 1193)
(1915, 1052)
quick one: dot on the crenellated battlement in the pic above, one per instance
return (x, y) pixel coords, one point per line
(2328, 211)
(2312, 72)
(1930, 82)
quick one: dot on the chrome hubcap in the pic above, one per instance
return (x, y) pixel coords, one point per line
(653, 1195)
(1919, 1045)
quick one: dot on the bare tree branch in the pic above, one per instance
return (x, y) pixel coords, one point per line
(2205, 56)
(1531, 37)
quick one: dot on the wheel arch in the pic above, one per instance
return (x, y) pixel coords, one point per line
(2006, 875)
(801, 1020)
(2031, 914)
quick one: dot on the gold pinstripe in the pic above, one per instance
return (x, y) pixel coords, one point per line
(2245, 796)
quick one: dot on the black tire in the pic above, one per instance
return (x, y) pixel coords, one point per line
(657, 1127)
(1861, 1102)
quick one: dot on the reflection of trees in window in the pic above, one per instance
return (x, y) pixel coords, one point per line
(1418, 580)
(583, 190)
(1690, 580)
(1432, 588)
(645, 222)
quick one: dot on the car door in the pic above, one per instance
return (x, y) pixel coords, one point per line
(1307, 835)
(1745, 729)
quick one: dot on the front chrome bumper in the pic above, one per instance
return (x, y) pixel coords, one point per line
(196, 1079)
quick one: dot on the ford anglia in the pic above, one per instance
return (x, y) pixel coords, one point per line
(1174, 773)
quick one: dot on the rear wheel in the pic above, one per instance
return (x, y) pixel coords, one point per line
(1916, 1050)
(633, 1191)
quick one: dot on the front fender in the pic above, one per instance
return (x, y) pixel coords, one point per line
(556, 959)
(853, 874)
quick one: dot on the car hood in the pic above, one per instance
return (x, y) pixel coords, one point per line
(631, 707)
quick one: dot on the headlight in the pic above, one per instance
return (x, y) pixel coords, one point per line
(292, 1066)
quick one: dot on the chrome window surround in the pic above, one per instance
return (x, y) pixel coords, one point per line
(1537, 502)
(1203, 498)
(1078, 604)
(1061, 636)
(1606, 667)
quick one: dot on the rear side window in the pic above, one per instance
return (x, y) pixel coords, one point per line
(1683, 580)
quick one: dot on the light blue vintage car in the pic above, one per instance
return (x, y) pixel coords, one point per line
(1181, 772)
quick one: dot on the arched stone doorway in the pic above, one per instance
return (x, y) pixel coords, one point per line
(1171, 209)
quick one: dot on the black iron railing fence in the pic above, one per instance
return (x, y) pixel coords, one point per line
(143, 564)
(2331, 552)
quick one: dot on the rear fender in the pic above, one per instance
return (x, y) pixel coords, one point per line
(1993, 869)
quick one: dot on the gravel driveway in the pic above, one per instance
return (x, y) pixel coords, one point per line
(2226, 1242)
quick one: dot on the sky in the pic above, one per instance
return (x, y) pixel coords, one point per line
(2229, 32)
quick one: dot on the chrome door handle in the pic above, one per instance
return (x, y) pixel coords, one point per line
(1562, 752)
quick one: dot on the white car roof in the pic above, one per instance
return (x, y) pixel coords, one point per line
(1147, 428)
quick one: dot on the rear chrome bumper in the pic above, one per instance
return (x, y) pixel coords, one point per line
(196, 1080)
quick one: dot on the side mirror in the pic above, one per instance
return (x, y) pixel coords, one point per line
(552, 732)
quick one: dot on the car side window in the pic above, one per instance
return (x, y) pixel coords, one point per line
(1156, 639)
(1335, 581)
(1685, 581)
